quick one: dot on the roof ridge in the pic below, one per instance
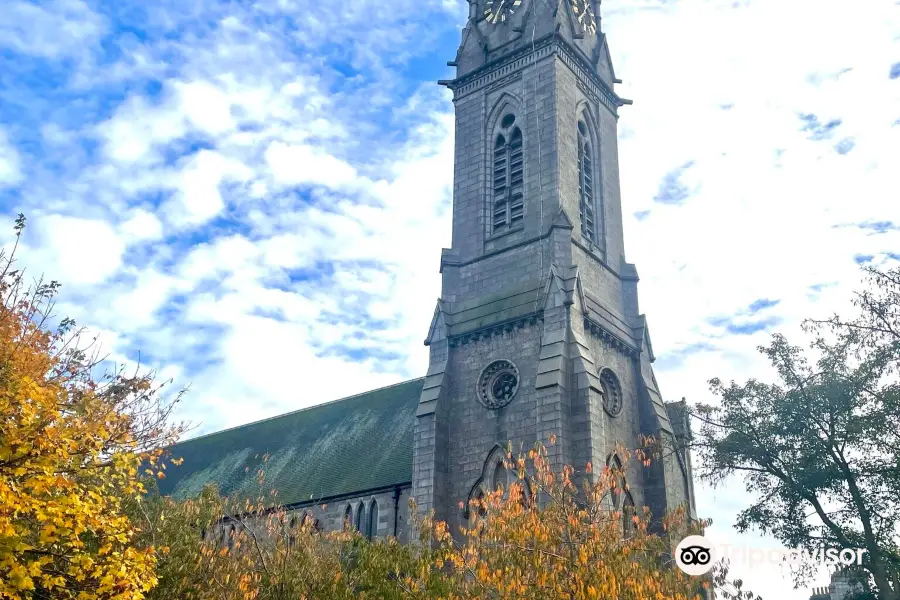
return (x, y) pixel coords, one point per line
(327, 402)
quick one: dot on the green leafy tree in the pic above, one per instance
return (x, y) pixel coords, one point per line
(875, 329)
(820, 449)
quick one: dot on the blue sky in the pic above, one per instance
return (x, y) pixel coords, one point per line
(254, 195)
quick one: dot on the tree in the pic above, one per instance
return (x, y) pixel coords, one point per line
(70, 448)
(211, 547)
(820, 449)
(875, 330)
(545, 537)
(541, 538)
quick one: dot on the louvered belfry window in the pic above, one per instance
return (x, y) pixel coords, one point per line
(508, 177)
(586, 184)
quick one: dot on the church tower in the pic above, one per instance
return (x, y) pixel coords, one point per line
(537, 332)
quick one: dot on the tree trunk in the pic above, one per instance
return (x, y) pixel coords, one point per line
(881, 580)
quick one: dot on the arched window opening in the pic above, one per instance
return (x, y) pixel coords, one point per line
(348, 517)
(586, 184)
(499, 480)
(508, 177)
(497, 472)
(359, 517)
(628, 513)
(292, 531)
(612, 498)
(620, 498)
(524, 490)
(479, 505)
(372, 526)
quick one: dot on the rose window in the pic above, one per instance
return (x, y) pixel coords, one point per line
(498, 383)
(612, 392)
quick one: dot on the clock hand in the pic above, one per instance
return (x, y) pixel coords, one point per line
(494, 11)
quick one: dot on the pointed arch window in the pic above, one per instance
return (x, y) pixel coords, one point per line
(508, 176)
(612, 498)
(499, 476)
(292, 531)
(476, 506)
(498, 471)
(348, 516)
(628, 514)
(586, 198)
(620, 499)
(359, 517)
(301, 522)
(372, 524)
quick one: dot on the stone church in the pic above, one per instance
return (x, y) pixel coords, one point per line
(537, 332)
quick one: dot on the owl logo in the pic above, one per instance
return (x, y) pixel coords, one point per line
(695, 555)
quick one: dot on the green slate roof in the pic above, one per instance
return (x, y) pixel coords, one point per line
(354, 444)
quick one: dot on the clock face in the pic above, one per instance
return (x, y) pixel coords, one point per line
(498, 11)
(584, 12)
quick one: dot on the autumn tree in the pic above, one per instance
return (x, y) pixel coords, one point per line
(544, 537)
(820, 449)
(548, 537)
(237, 548)
(70, 448)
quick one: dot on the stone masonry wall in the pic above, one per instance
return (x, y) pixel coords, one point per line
(572, 104)
(531, 97)
(330, 516)
(475, 429)
(625, 428)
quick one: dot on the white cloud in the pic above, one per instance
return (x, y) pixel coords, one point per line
(199, 196)
(10, 164)
(206, 106)
(142, 226)
(77, 251)
(225, 254)
(147, 293)
(137, 129)
(776, 214)
(300, 164)
(269, 366)
(57, 29)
